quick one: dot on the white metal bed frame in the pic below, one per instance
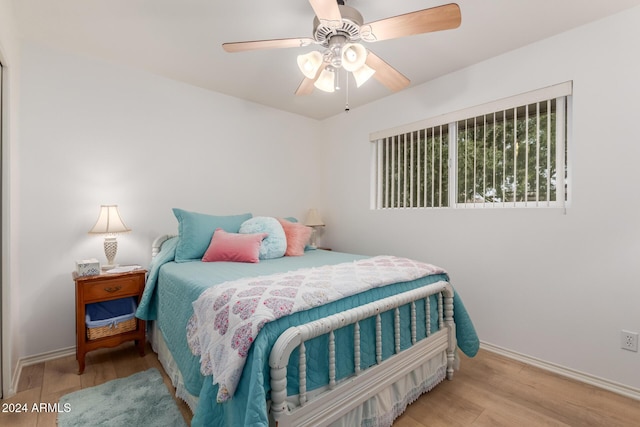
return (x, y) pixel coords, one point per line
(330, 405)
(341, 397)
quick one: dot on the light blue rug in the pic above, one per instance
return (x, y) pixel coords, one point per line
(139, 400)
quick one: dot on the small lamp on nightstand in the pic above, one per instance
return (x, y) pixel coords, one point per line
(314, 221)
(110, 224)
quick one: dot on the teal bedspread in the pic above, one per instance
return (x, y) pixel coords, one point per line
(172, 287)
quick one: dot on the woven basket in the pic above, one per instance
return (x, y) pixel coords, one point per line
(109, 330)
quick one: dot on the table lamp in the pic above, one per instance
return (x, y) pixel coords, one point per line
(314, 221)
(110, 224)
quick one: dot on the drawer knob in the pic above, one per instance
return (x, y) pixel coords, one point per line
(113, 289)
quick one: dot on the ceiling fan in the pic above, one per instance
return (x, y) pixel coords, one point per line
(339, 29)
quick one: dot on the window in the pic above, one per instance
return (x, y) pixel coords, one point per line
(415, 168)
(508, 153)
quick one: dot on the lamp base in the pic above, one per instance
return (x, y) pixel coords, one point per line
(110, 251)
(313, 241)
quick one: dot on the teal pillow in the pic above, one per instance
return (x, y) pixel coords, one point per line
(195, 231)
(275, 244)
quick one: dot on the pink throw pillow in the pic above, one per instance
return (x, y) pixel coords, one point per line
(234, 247)
(297, 237)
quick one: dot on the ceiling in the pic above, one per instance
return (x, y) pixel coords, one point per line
(181, 40)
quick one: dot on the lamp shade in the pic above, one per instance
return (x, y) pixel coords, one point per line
(313, 219)
(353, 56)
(310, 63)
(109, 221)
(363, 74)
(327, 81)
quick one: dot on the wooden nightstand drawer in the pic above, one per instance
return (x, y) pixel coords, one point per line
(113, 289)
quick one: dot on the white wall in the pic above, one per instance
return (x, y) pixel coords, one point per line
(550, 285)
(97, 133)
(10, 58)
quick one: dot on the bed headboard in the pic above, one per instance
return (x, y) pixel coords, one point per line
(157, 243)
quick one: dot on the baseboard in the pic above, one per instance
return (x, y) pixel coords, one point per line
(612, 386)
(38, 358)
(615, 387)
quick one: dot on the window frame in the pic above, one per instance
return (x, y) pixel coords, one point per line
(562, 93)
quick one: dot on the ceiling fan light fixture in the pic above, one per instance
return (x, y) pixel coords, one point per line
(363, 74)
(310, 63)
(339, 29)
(327, 80)
(354, 56)
(335, 51)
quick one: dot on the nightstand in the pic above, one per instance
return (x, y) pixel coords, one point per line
(100, 288)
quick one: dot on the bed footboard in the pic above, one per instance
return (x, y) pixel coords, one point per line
(342, 396)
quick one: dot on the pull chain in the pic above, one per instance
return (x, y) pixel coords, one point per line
(346, 107)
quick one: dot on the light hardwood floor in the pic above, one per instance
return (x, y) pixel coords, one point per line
(489, 390)
(47, 382)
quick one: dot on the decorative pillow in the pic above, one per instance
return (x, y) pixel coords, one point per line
(275, 245)
(234, 247)
(297, 236)
(195, 231)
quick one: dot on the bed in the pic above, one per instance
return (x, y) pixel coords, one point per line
(359, 359)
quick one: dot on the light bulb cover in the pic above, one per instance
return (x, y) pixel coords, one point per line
(354, 56)
(310, 63)
(363, 74)
(326, 81)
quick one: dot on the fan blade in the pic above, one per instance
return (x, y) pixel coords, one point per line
(326, 10)
(306, 85)
(386, 74)
(266, 44)
(423, 21)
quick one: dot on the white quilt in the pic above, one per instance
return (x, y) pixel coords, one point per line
(227, 317)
